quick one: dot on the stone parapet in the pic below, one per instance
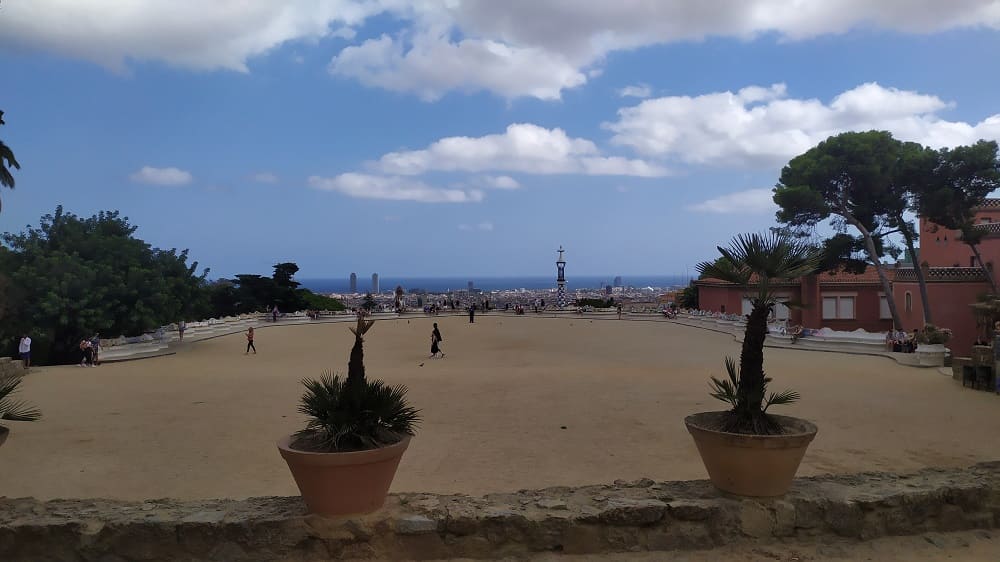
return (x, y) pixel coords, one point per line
(621, 517)
(11, 367)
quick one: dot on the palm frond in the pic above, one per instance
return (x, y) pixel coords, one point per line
(376, 416)
(15, 410)
(781, 399)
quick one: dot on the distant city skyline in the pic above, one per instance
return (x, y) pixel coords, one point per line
(465, 138)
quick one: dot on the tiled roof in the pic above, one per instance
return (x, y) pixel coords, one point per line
(869, 277)
(990, 203)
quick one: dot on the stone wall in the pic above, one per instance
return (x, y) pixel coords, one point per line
(624, 516)
(10, 366)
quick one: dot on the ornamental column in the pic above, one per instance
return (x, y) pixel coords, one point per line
(561, 280)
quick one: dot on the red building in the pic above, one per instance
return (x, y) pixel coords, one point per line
(837, 300)
(843, 301)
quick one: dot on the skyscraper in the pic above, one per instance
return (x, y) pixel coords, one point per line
(618, 281)
(354, 282)
(374, 283)
(470, 286)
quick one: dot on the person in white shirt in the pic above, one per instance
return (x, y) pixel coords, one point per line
(24, 348)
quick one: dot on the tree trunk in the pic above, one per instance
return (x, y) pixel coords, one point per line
(752, 360)
(921, 282)
(989, 274)
(873, 255)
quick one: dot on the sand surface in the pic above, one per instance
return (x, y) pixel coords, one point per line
(519, 402)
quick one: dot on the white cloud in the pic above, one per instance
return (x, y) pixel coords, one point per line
(523, 147)
(265, 177)
(744, 202)
(185, 33)
(394, 188)
(538, 48)
(636, 91)
(161, 176)
(498, 182)
(763, 127)
(432, 65)
(514, 48)
(483, 226)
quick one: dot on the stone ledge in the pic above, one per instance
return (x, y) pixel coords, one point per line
(621, 517)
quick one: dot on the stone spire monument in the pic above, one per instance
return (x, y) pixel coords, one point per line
(561, 280)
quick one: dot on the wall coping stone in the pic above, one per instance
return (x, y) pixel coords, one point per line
(624, 516)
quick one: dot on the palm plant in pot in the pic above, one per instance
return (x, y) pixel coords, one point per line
(13, 410)
(345, 458)
(930, 345)
(746, 449)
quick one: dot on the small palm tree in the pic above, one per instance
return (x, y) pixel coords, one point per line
(7, 160)
(14, 410)
(354, 414)
(756, 261)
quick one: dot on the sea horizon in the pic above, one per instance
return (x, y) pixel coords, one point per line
(489, 283)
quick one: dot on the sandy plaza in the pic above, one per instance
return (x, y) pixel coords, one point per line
(518, 402)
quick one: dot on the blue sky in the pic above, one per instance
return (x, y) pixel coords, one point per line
(467, 137)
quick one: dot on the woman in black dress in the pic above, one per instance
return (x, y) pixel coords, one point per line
(436, 339)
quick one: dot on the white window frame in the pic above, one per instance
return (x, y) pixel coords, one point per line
(838, 315)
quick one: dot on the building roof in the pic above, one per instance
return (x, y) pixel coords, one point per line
(839, 277)
(990, 203)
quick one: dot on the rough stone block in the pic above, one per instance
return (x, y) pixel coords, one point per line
(756, 520)
(415, 525)
(632, 512)
(693, 510)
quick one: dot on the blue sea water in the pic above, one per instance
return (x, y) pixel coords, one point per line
(445, 284)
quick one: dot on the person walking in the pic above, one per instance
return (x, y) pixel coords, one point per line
(436, 340)
(250, 341)
(274, 313)
(472, 314)
(24, 350)
(95, 350)
(181, 326)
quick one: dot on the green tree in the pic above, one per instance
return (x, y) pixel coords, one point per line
(369, 302)
(957, 182)
(7, 161)
(688, 298)
(71, 277)
(916, 163)
(286, 295)
(849, 177)
(756, 261)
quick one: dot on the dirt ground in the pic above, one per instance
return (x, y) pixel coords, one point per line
(519, 402)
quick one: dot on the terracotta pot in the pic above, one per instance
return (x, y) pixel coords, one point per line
(4, 432)
(343, 483)
(751, 465)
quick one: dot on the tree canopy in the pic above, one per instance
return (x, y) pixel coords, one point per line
(72, 277)
(851, 178)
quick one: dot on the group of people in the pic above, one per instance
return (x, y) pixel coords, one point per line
(900, 341)
(90, 351)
